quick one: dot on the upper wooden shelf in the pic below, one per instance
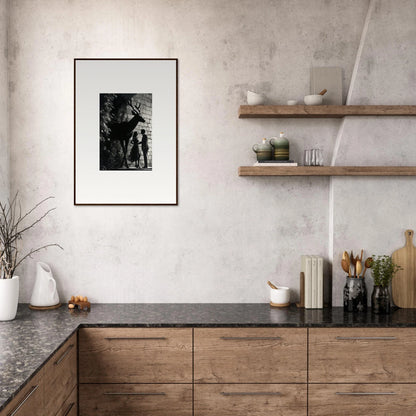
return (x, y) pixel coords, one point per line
(327, 171)
(323, 111)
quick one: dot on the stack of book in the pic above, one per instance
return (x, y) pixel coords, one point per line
(312, 268)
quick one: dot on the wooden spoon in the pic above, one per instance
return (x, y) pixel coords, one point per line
(323, 92)
(359, 267)
(345, 263)
(271, 284)
(368, 263)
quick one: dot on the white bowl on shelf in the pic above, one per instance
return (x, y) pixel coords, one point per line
(253, 98)
(314, 99)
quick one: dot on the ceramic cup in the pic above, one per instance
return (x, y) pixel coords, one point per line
(280, 296)
(253, 98)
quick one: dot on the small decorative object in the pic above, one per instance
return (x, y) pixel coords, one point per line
(314, 99)
(129, 157)
(313, 157)
(263, 150)
(355, 290)
(291, 102)
(280, 147)
(44, 295)
(253, 98)
(79, 302)
(327, 77)
(279, 295)
(13, 225)
(383, 270)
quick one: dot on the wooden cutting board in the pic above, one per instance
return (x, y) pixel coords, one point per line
(404, 282)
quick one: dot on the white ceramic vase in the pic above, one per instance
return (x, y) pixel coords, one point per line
(44, 291)
(9, 297)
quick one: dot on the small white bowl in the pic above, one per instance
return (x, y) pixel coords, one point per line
(253, 98)
(291, 102)
(314, 99)
(280, 296)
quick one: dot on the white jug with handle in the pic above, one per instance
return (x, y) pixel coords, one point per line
(44, 292)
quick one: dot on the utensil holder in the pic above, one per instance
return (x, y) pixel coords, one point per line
(355, 295)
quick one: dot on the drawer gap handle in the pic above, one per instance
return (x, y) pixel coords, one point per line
(134, 338)
(366, 338)
(64, 355)
(250, 338)
(252, 393)
(134, 394)
(365, 394)
(68, 409)
(32, 390)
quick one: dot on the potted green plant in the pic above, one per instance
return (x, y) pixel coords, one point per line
(13, 224)
(383, 270)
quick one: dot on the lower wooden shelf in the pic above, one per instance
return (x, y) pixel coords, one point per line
(327, 171)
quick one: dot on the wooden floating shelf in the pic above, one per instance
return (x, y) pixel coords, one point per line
(323, 111)
(327, 171)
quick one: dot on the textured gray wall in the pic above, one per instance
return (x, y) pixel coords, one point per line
(4, 112)
(229, 235)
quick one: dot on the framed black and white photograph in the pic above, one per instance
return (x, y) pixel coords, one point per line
(126, 150)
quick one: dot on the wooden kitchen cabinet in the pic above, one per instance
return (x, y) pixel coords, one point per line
(70, 405)
(362, 355)
(135, 399)
(250, 399)
(60, 377)
(29, 401)
(250, 355)
(362, 399)
(135, 355)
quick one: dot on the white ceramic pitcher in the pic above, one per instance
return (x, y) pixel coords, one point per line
(44, 292)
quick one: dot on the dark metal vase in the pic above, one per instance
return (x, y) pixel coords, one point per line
(355, 295)
(380, 300)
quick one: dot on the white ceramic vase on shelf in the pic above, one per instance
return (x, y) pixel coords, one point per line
(9, 297)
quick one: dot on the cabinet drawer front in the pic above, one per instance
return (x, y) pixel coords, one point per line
(29, 401)
(70, 405)
(250, 355)
(362, 355)
(135, 399)
(135, 355)
(60, 376)
(362, 399)
(250, 399)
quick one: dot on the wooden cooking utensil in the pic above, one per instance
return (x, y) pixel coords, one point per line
(271, 284)
(404, 281)
(323, 92)
(345, 266)
(368, 263)
(359, 267)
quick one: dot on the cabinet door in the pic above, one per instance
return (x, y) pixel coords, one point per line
(60, 376)
(250, 399)
(250, 355)
(70, 405)
(29, 401)
(135, 355)
(135, 399)
(362, 355)
(362, 399)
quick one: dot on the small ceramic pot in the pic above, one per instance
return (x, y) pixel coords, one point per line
(355, 295)
(280, 147)
(280, 296)
(314, 99)
(263, 151)
(253, 98)
(380, 300)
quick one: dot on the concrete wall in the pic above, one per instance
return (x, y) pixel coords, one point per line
(229, 235)
(4, 110)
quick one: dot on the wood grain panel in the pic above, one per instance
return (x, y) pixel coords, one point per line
(29, 401)
(323, 111)
(135, 355)
(362, 355)
(250, 355)
(70, 405)
(362, 399)
(250, 399)
(327, 171)
(135, 399)
(60, 376)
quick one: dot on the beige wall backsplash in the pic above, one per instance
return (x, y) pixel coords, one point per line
(229, 234)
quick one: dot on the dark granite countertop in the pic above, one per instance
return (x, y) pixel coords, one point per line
(28, 341)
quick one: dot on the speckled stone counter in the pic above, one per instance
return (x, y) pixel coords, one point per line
(28, 341)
